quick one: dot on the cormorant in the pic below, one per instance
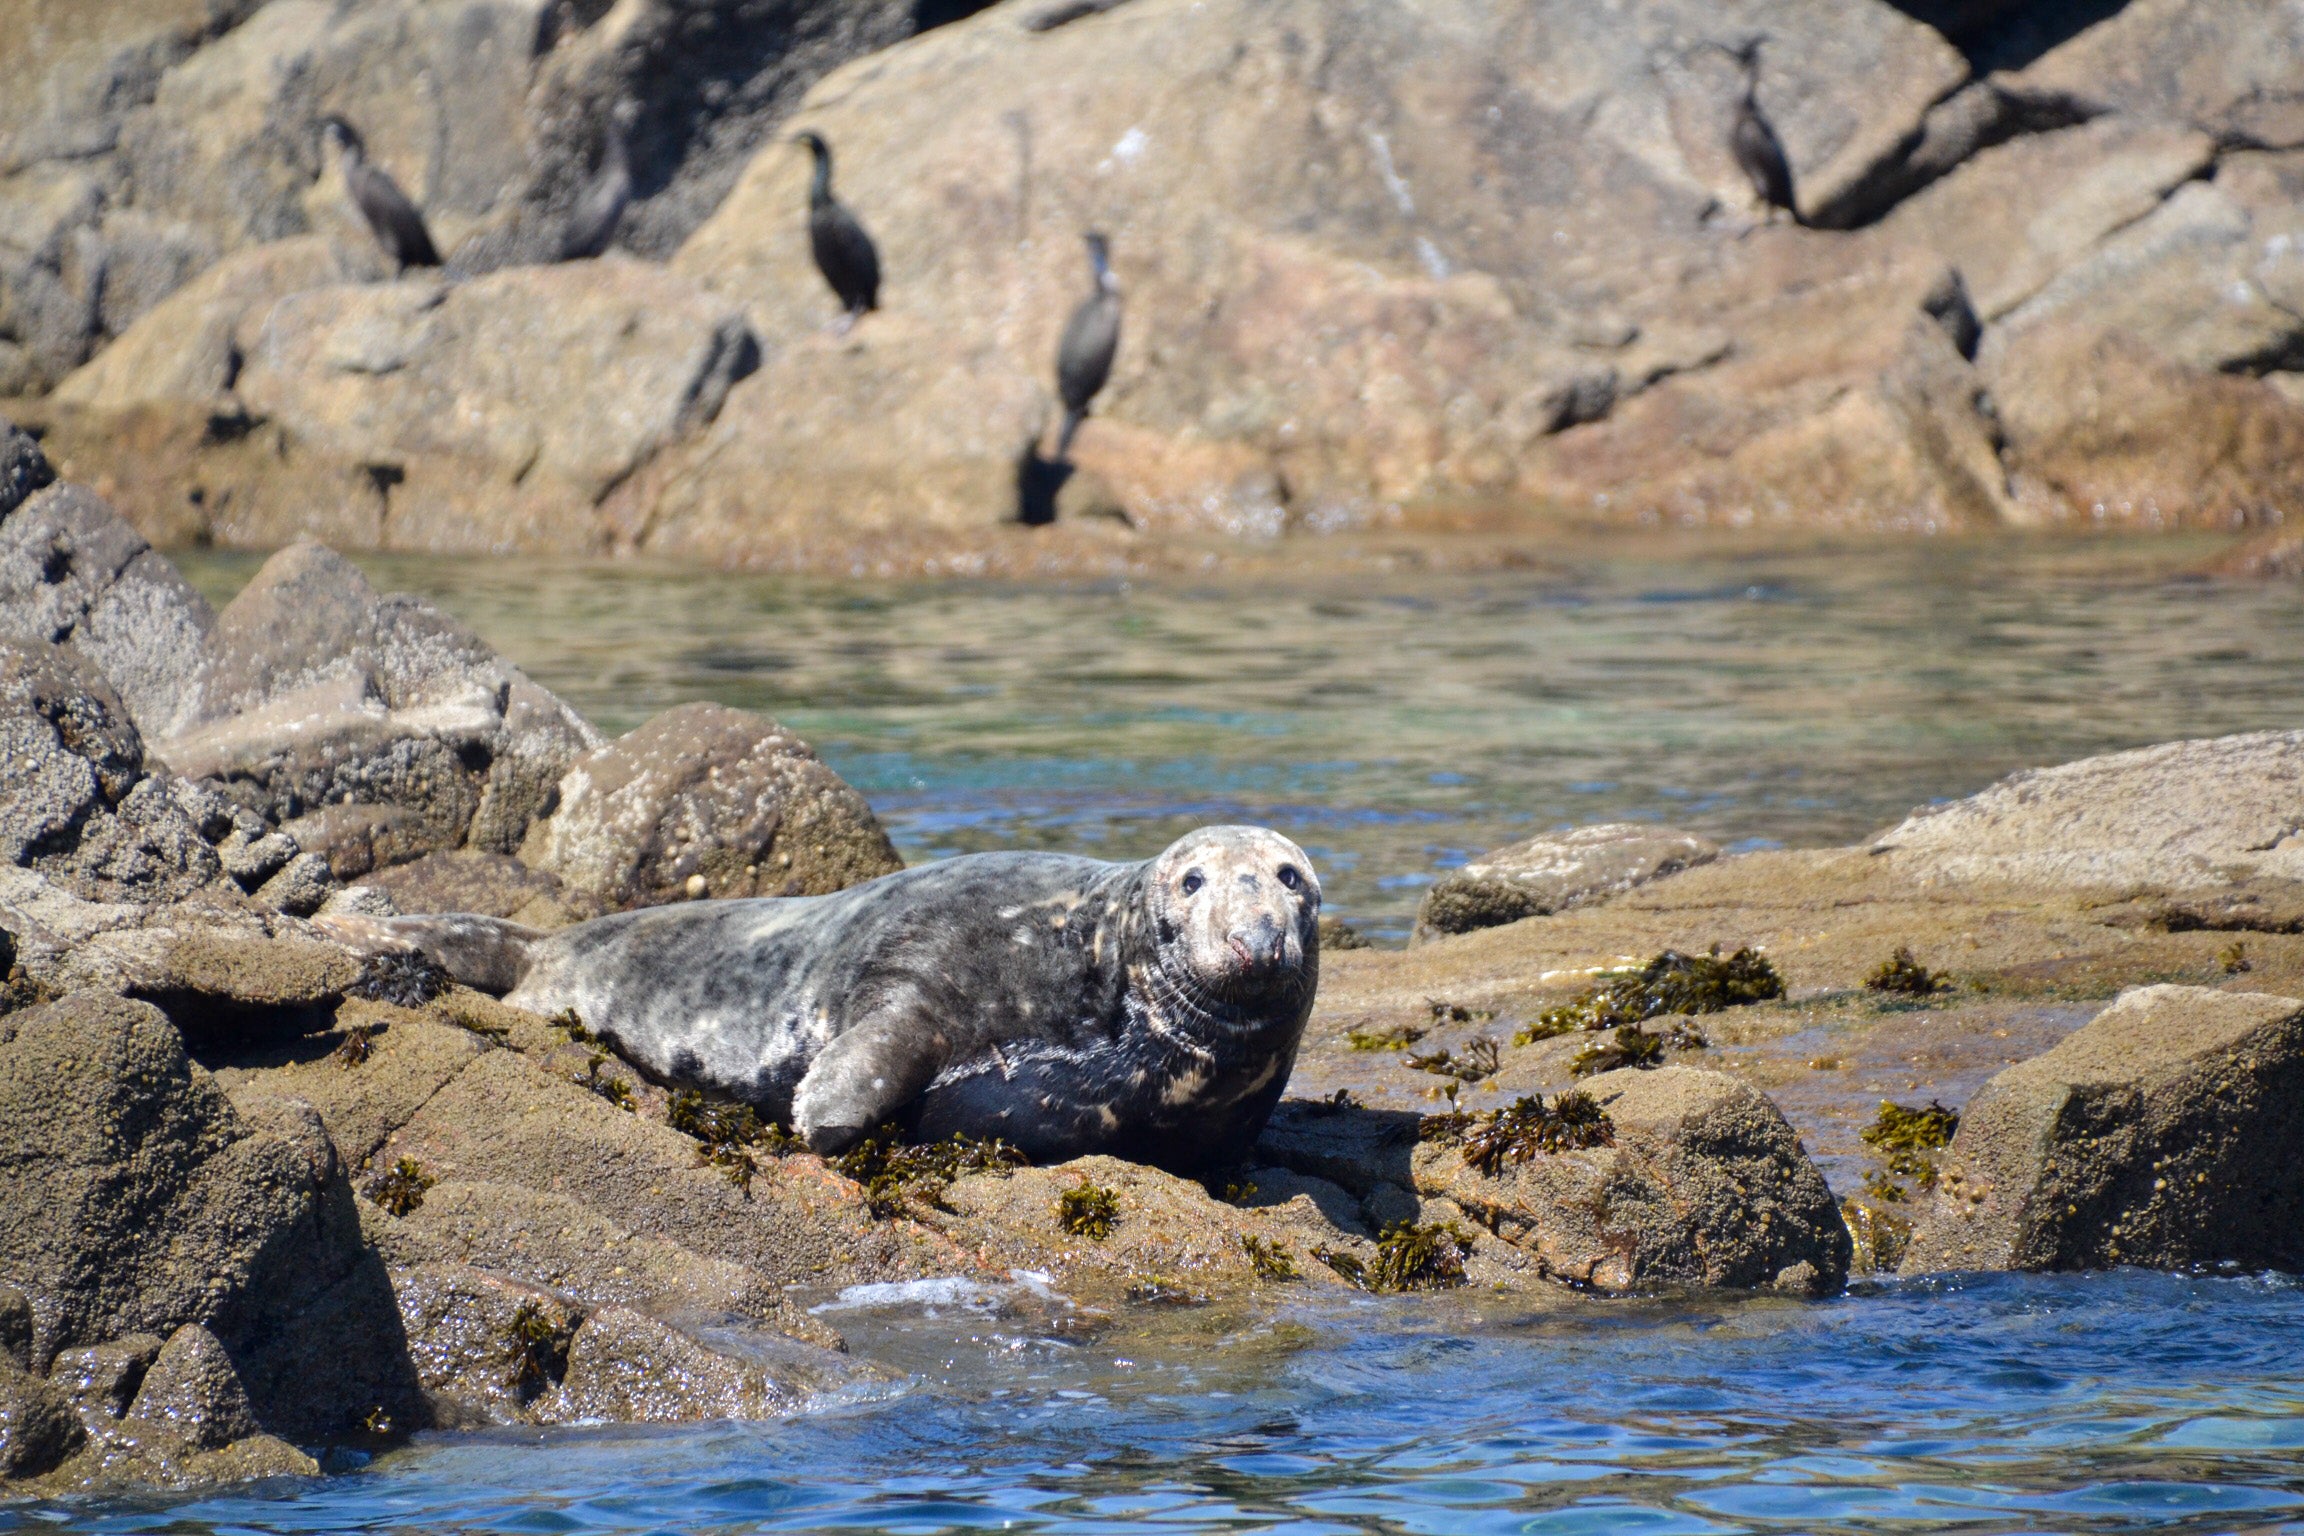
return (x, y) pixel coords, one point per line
(592, 224)
(398, 227)
(844, 253)
(1091, 338)
(1759, 153)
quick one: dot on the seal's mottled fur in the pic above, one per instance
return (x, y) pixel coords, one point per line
(1150, 1010)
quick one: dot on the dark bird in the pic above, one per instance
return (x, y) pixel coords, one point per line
(600, 208)
(844, 253)
(1759, 153)
(398, 227)
(1091, 339)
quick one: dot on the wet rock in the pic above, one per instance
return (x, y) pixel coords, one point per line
(2181, 817)
(139, 1200)
(106, 1377)
(1704, 1185)
(37, 1425)
(2273, 556)
(629, 1368)
(15, 1327)
(1555, 871)
(2162, 1134)
(193, 1391)
(707, 800)
(488, 1345)
(375, 727)
(73, 573)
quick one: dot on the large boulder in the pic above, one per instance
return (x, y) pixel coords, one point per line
(2163, 1134)
(2230, 68)
(375, 728)
(707, 800)
(1555, 871)
(1705, 1184)
(2181, 818)
(138, 1201)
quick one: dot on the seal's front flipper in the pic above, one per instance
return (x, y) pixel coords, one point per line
(863, 1078)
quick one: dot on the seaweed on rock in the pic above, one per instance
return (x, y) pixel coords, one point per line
(1266, 1259)
(1905, 976)
(896, 1175)
(1671, 983)
(1088, 1210)
(1630, 1046)
(1409, 1257)
(1528, 1126)
(1475, 1060)
(400, 1188)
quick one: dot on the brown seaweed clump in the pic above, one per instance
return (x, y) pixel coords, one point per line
(728, 1134)
(1477, 1059)
(614, 1089)
(1528, 1126)
(1088, 1210)
(1268, 1260)
(1880, 1237)
(1905, 976)
(896, 1175)
(1907, 1135)
(1409, 1257)
(1671, 983)
(1630, 1046)
(400, 1188)
(538, 1354)
(359, 1044)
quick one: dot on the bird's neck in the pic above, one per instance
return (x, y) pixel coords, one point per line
(1106, 283)
(820, 189)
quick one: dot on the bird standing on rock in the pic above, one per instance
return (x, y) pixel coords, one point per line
(398, 227)
(1091, 340)
(601, 207)
(1759, 153)
(844, 253)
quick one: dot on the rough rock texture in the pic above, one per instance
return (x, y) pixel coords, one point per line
(144, 139)
(139, 1200)
(74, 573)
(192, 1390)
(2181, 818)
(492, 884)
(707, 800)
(1552, 872)
(37, 1427)
(376, 729)
(2162, 1134)
(485, 1347)
(1705, 1185)
(627, 1367)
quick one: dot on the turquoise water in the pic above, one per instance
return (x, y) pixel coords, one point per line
(1396, 727)
(2109, 1403)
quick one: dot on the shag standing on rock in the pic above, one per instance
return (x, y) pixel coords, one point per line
(1091, 340)
(1759, 153)
(844, 253)
(601, 207)
(398, 227)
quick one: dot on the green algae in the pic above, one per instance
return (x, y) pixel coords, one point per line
(1901, 1128)
(1904, 976)
(614, 1089)
(728, 1134)
(571, 1022)
(2233, 958)
(1398, 1038)
(400, 1188)
(1879, 1237)
(1088, 1210)
(1670, 983)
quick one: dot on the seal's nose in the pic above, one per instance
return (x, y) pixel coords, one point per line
(1260, 944)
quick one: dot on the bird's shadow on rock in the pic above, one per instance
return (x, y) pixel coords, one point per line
(1038, 482)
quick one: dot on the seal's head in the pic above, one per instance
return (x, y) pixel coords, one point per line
(1238, 910)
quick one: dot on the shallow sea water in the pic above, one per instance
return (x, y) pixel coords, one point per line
(1395, 728)
(1398, 726)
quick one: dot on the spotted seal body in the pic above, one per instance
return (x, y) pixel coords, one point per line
(1151, 1011)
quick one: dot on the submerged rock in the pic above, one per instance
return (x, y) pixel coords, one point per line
(1550, 873)
(2163, 1134)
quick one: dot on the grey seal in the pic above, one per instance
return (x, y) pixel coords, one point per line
(1064, 1004)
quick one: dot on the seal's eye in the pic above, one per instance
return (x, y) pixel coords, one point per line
(1193, 880)
(1289, 877)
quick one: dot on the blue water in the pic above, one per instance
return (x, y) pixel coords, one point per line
(2106, 1403)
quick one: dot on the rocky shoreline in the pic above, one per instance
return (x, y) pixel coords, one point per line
(266, 1197)
(1432, 284)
